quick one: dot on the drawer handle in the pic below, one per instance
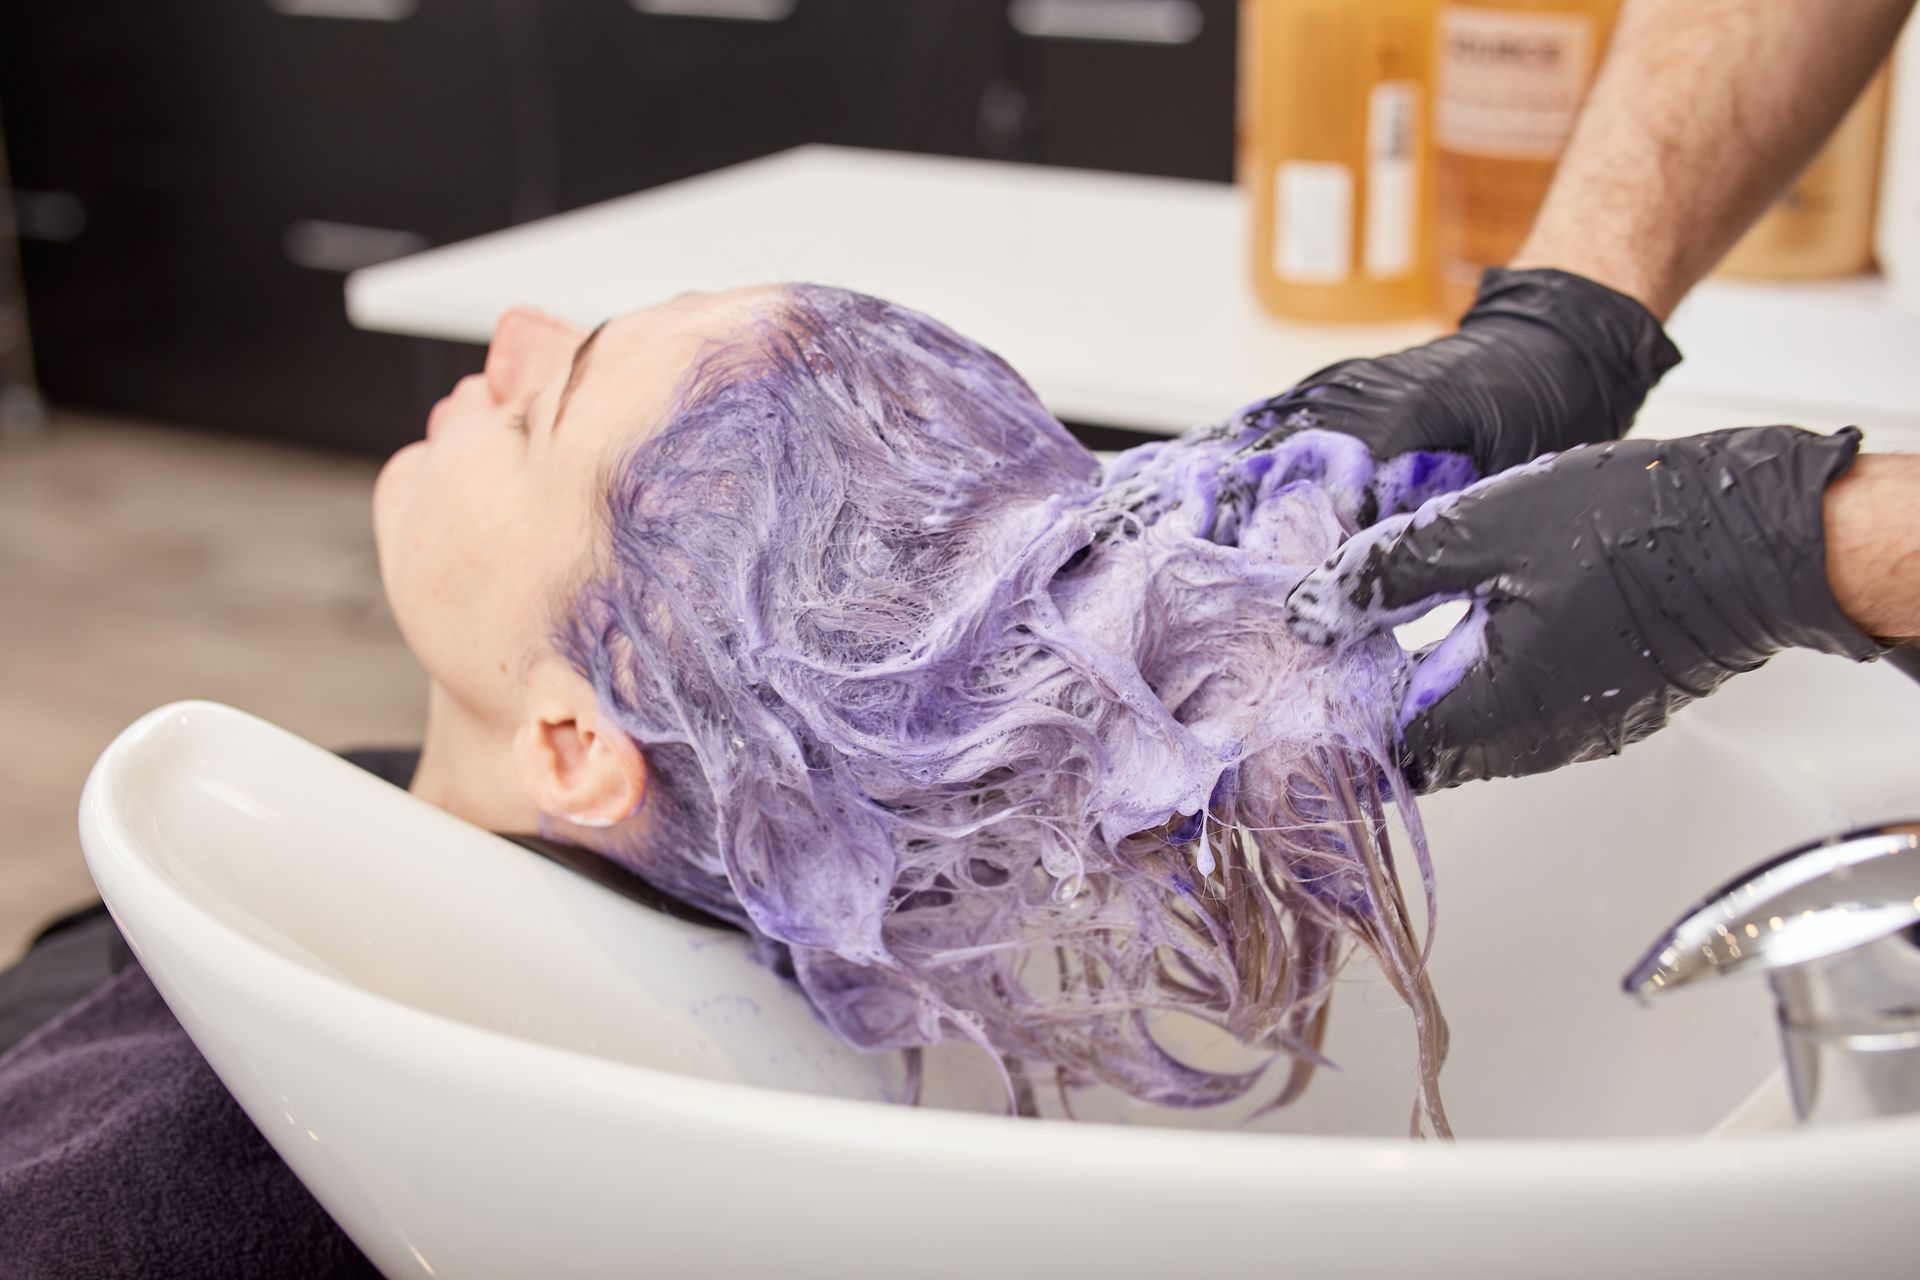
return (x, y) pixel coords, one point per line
(55, 217)
(1121, 21)
(351, 10)
(318, 245)
(725, 10)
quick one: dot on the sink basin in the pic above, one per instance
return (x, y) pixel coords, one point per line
(485, 1065)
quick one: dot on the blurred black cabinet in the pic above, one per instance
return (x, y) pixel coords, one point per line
(1139, 87)
(657, 91)
(195, 177)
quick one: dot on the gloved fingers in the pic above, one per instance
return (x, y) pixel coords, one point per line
(1436, 751)
(1461, 718)
(1310, 392)
(1440, 668)
(1493, 724)
(1338, 464)
(1280, 416)
(1389, 574)
(1365, 399)
(1408, 481)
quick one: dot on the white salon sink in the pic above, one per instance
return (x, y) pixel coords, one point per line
(484, 1065)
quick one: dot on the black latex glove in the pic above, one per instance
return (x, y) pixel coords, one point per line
(1543, 361)
(1609, 585)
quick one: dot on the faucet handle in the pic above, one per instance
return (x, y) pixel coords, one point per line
(1812, 902)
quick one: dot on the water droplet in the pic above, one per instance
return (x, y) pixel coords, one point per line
(1610, 693)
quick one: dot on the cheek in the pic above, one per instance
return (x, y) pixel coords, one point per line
(432, 548)
(459, 560)
(431, 508)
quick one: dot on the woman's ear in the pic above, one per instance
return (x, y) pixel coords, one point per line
(574, 763)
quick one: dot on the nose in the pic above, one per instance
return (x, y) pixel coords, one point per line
(528, 347)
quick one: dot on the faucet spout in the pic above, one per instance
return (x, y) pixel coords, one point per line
(1835, 924)
(1810, 903)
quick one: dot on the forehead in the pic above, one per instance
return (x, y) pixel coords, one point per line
(639, 359)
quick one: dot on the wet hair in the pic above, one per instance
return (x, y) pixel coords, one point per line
(983, 742)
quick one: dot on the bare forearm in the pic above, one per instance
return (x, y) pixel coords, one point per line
(1873, 544)
(1704, 111)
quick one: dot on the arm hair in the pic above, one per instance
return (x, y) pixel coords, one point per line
(1702, 113)
(1873, 544)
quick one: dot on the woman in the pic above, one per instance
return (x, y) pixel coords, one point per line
(802, 607)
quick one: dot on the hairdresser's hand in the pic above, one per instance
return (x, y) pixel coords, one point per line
(1542, 362)
(1609, 585)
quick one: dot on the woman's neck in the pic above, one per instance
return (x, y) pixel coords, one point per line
(466, 768)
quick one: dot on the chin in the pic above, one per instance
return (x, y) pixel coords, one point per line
(386, 485)
(389, 500)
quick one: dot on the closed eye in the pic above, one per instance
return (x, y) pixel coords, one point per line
(519, 421)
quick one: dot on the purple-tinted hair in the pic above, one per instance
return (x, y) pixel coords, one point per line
(984, 742)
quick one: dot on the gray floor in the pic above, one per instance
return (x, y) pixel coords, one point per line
(140, 565)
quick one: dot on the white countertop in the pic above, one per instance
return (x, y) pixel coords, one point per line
(1124, 300)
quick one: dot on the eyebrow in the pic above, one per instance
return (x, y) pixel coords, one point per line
(574, 374)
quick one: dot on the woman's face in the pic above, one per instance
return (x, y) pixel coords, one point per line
(484, 524)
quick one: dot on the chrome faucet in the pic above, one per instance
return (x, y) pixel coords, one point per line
(1835, 926)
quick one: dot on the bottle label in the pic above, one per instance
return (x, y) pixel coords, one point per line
(1313, 216)
(1510, 84)
(1392, 213)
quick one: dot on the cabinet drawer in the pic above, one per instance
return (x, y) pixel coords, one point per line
(926, 76)
(105, 89)
(146, 304)
(654, 93)
(1136, 86)
(408, 122)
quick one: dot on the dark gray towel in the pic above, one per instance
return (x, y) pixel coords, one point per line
(71, 957)
(121, 1153)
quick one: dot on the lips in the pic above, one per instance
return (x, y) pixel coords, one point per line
(433, 414)
(436, 417)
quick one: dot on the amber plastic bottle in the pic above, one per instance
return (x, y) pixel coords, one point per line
(1509, 79)
(1333, 156)
(1896, 223)
(1822, 227)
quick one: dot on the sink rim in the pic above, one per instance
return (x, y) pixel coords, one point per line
(163, 923)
